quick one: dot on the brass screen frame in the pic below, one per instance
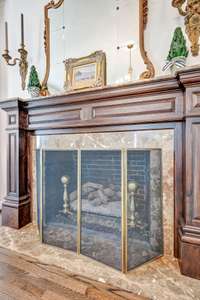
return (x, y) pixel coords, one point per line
(124, 202)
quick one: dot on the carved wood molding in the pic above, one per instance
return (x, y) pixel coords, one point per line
(150, 72)
(51, 5)
(192, 21)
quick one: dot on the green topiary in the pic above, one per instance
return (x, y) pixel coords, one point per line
(178, 46)
(33, 78)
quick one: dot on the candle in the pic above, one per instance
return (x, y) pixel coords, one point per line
(6, 35)
(22, 29)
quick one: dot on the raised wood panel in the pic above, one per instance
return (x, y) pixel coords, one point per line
(193, 101)
(196, 172)
(127, 110)
(192, 173)
(196, 100)
(12, 119)
(23, 167)
(134, 108)
(61, 116)
(12, 165)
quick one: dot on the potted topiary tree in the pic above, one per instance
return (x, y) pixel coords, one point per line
(178, 52)
(34, 83)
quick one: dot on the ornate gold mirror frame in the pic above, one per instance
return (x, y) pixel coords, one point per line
(51, 5)
(143, 20)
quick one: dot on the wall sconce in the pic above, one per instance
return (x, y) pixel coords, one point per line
(192, 21)
(23, 63)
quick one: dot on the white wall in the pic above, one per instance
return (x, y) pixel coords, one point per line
(3, 89)
(9, 76)
(163, 19)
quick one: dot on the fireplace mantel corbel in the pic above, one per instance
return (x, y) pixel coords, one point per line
(158, 103)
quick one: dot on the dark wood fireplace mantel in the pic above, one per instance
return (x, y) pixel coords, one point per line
(167, 102)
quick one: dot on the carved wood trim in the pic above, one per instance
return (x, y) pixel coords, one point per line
(192, 172)
(143, 10)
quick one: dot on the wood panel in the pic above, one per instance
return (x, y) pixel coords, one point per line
(192, 171)
(190, 262)
(193, 101)
(127, 110)
(189, 230)
(196, 172)
(12, 171)
(16, 206)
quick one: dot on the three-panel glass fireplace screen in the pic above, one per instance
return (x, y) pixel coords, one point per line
(105, 204)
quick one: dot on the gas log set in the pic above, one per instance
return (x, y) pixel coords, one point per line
(98, 194)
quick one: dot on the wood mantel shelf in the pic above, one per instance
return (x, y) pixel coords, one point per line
(165, 102)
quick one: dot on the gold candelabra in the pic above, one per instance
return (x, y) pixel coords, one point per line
(23, 63)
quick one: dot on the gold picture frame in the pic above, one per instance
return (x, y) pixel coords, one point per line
(85, 72)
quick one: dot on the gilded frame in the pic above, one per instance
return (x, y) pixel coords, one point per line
(98, 59)
(191, 13)
(143, 21)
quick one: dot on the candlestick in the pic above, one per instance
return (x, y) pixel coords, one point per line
(6, 35)
(22, 30)
(22, 60)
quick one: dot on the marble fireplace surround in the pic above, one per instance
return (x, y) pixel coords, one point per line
(143, 140)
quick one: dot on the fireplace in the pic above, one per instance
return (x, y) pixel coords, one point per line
(101, 195)
(158, 117)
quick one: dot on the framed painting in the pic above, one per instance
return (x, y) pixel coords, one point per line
(85, 72)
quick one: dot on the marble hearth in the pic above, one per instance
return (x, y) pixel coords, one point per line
(100, 230)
